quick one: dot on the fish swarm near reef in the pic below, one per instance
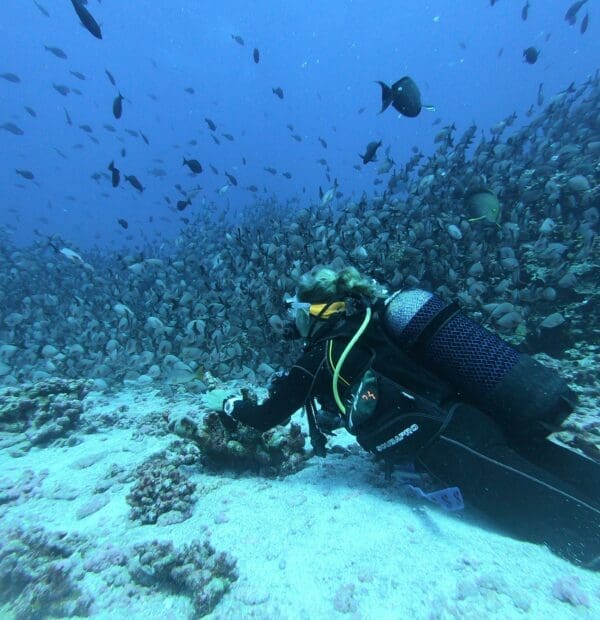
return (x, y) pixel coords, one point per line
(508, 226)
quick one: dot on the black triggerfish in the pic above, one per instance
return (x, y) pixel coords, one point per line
(404, 96)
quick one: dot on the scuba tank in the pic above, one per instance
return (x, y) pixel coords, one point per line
(519, 392)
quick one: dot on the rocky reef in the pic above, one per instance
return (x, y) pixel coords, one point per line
(196, 570)
(240, 449)
(43, 412)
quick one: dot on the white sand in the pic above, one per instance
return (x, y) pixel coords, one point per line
(330, 541)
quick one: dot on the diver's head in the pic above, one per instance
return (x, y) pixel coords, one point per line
(324, 293)
(326, 285)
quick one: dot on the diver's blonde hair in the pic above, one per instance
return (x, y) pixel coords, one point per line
(324, 285)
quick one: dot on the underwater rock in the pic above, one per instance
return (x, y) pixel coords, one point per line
(196, 570)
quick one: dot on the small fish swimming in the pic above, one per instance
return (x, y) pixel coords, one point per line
(115, 175)
(323, 142)
(89, 23)
(525, 11)
(144, 138)
(584, 23)
(118, 106)
(78, 75)
(231, 178)
(133, 181)
(123, 223)
(228, 136)
(571, 14)
(62, 89)
(287, 175)
(190, 90)
(10, 77)
(26, 174)
(256, 55)
(278, 91)
(12, 128)
(210, 124)
(43, 11)
(530, 55)
(182, 204)
(30, 111)
(370, 152)
(404, 96)
(237, 39)
(56, 51)
(193, 165)
(540, 95)
(110, 77)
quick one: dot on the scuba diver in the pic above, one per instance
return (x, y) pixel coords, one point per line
(417, 381)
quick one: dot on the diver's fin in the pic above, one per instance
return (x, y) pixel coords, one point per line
(387, 96)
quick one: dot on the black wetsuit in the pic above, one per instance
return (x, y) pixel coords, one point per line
(533, 488)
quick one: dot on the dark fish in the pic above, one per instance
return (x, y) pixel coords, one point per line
(86, 128)
(404, 96)
(133, 133)
(115, 175)
(228, 136)
(215, 139)
(361, 110)
(123, 152)
(182, 204)
(193, 142)
(297, 137)
(323, 143)
(584, 23)
(62, 89)
(56, 51)
(278, 91)
(144, 138)
(31, 111)
(89, 23)
(492, 2)
(12, 128)
(215, 171)
(287, 175)
(78, 75)
(256, 55)
(237, 39)
(273, 171)
(525, 11)
(43, 11)
(26, 174)
(244, 160)
(109, 128)
(231, 178)
(190, 90)
(210, 124)
(133, 180)
(290, 127)
(540, 95)
(500, 52)
(10, 77)
(252, 188)
(193, 165)
(94, 140)
(110, 77)
(76, 91)
(118, 106)
(123, 223)
(530, 55)
(60, 153)
(571, 14)
(370, 152)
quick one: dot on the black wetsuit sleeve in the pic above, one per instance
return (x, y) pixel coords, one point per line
(286, 395)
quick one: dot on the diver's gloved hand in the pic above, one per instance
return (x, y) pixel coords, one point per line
(226, 413)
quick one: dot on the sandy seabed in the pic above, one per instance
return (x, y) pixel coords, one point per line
(333, 540)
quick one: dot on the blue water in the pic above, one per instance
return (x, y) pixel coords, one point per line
(325, 56)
